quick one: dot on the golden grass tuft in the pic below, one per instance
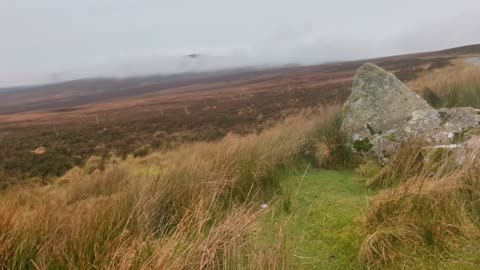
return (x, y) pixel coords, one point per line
(331, 147)
(425, 211)
(405, 163)
(457, 85)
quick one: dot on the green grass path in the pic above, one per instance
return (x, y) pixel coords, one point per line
(322, 228)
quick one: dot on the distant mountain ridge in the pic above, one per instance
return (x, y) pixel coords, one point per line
(84, 91)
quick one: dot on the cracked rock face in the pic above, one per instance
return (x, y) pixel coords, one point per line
(382, 112)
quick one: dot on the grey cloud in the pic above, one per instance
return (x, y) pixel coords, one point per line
(54, 40)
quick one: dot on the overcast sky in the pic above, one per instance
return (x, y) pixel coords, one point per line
(54, 40)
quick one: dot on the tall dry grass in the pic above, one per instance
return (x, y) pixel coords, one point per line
(428, 202)
(414, 158)
(331, 147)
(457, 85)
(196, 207)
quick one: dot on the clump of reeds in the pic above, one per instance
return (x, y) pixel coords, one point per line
(430, 203)
(454, 86)
(330, 145)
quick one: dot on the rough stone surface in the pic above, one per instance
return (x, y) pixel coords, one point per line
(473, 145)
(378, 103)
(443, 126)
(382, 112)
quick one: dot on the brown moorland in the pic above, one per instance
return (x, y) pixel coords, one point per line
(76, 120)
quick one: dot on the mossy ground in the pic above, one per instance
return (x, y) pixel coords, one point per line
(323, 226)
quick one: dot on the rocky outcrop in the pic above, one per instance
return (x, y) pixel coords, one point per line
(382, 112)
(378, 103)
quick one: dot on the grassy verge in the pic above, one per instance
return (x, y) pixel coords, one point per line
(323, 227)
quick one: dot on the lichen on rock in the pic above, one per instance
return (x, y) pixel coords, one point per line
(382, 112)
(378, 102)
(363, 145)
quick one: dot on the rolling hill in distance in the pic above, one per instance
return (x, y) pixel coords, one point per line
(90, 90)
(77, 119)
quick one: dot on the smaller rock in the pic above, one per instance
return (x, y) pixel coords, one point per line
(443, 126)
(40, 151)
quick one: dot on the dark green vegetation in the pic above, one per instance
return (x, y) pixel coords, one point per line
(362, 145)
(71, 146)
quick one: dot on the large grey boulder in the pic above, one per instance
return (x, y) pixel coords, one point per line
(382, 112)
(379, 102)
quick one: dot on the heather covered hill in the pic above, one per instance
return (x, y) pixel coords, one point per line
(135, 116)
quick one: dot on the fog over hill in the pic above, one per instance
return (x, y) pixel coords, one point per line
(53, 41)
